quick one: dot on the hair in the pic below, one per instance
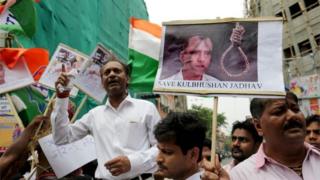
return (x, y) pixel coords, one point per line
(200, 38)
(207, 143)
(258, 105)
(183, 129)
(249, 127)
(312, 118)
(116, 59)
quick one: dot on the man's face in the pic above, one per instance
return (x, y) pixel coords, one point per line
(206, 153)
(243, 145)
(173, 163)
(281, 123)
(196, 57)
(313, 134)
(114, 78)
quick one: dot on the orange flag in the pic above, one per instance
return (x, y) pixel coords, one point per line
(37, 59)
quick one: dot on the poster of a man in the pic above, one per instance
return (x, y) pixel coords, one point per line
(89, 80)
(71, 59)
(211, 52)
(220, 56)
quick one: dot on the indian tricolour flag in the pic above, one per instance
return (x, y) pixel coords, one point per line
(144, 48)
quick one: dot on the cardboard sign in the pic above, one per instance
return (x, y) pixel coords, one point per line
(66, 158)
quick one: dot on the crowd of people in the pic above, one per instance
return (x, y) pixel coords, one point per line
(133, 142)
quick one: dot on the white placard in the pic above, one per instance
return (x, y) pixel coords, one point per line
(89, 79)
(17, 77)
(66, 158)
(64, 55)
(203, 57)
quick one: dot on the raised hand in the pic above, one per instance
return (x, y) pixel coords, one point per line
(62, 82)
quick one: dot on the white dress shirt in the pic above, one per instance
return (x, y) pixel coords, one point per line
(127, 130)
(196, 176)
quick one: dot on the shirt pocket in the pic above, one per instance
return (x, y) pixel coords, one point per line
(135, 135)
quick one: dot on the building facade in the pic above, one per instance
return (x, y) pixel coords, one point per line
(301, 45)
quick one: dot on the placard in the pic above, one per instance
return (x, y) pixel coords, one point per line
(89, 79)
(64, 55)
(222, 57)
(66, 158)
(17, 77)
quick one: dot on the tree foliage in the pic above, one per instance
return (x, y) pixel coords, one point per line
(205, 114)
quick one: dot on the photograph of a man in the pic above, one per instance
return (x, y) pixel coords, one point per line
(210, 52)
(195, 59)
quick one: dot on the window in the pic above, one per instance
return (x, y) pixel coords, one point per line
(295, 10)
(310, 4)
(305, 47)
(317, 39)
(289, 52)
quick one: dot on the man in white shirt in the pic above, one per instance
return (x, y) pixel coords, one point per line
(122, 128)
(180, 139)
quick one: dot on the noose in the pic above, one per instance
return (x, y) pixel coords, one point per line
(238, 47)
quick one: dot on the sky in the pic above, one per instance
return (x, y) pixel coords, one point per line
(234, 108)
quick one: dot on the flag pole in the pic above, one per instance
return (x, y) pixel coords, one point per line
(214, 129)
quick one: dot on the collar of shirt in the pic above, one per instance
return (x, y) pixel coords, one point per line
(196, 176)
(262, 157)
(128, 99)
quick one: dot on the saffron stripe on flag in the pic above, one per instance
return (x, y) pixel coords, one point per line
(144, 48)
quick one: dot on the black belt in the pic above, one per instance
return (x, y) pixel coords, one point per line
(142, 176)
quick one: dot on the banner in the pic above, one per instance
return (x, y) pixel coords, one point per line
(222, 57)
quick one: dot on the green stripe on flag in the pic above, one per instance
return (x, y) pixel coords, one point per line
(25, 13)
(143, 72)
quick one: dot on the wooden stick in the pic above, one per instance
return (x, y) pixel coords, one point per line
(32, 147)
(84, 99)
(45, 113)
(214, 129)
(15, 113)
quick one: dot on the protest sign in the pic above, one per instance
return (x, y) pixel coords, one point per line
(10, 127)
(66, 158)
(222, 57)
(89, 79)
(17, 77)
(64, 55)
